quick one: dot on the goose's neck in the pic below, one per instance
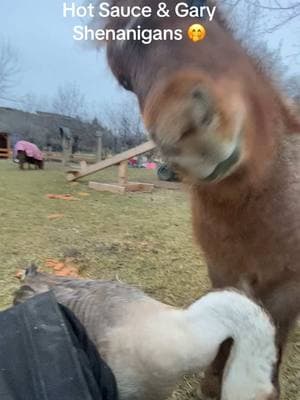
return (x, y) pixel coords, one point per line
(171, 343)
(227, 314)
(188, 340)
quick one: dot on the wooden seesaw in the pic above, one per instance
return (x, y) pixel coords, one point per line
(121, 160)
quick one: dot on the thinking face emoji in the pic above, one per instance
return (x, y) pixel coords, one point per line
(196, 32)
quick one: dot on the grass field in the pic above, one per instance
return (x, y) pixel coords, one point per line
(143, 239)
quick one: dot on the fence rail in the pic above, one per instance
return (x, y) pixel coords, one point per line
(58, 156)
(4, 153)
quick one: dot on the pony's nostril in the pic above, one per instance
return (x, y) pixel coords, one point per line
(152, 134)
(203, 106)
(207, 117)
(187, 133)
(199, 94)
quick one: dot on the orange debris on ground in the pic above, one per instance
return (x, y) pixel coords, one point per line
(62, 268)
(19, 274)
(61, 196)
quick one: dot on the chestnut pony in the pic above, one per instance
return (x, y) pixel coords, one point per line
(220, 120)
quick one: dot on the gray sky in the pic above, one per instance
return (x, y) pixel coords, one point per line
(49, 56)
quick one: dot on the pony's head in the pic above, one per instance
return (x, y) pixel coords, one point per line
(207, 105)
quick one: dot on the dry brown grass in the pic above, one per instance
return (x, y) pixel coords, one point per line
(143, 239)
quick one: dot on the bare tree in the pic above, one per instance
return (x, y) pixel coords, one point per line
(293, 87)
(276, 13)
(31, 102)
(69, 100)
(9, 66)
(284, 12)
(124, 124)
(251, 21)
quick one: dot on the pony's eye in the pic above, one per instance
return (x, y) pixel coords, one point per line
(125, 83)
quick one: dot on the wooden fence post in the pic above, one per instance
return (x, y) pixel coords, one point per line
(99, 146)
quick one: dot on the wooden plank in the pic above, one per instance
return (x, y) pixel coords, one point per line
(139, 187)
(106, 187)
(117, 159)
(123, 172)
(121, 189)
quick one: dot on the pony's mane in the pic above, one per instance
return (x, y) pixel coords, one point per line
(220, 16)
(258, 62)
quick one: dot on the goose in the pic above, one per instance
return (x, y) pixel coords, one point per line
(150, 345)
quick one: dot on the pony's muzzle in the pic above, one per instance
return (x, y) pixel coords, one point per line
(196, 129)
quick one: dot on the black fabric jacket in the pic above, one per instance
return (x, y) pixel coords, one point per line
(45, 354)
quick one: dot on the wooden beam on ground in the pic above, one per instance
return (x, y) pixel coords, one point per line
(106, 187)
(121, 189)
(117, 159)
(139, 187)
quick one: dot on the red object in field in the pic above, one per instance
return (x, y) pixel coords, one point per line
(132, 162)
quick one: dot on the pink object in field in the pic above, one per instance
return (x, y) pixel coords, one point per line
(30, 149)
(150, 165)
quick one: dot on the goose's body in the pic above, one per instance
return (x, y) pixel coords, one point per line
(150, 345)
